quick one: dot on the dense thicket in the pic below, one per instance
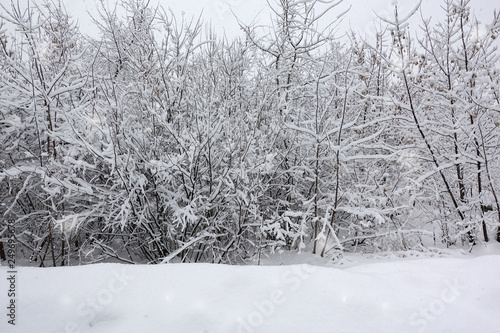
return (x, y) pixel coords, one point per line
(161, 141)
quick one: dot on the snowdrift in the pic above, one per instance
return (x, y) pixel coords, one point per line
(423, 295)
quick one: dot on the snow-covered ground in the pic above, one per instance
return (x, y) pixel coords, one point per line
(458, 293)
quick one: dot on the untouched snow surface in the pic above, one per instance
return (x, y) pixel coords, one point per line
(415, 295)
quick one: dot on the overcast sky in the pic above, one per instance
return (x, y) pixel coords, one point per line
(361, 17)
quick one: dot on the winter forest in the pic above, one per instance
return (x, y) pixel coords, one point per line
(162, 141)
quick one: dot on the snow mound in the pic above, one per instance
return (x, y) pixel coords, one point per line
(424, 295)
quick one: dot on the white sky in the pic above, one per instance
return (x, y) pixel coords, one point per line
(361, 16)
